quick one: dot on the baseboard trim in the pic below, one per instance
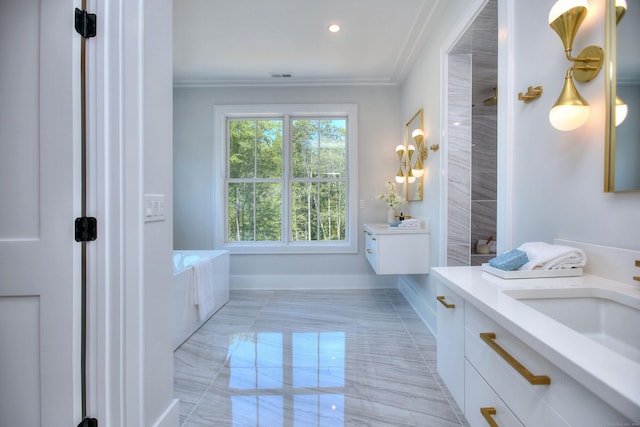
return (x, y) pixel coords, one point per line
(171, 415)
(419, 305)
(312, 281)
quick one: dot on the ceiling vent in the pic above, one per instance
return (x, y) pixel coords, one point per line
(281, 75)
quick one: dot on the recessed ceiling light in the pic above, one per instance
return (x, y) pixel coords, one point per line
(334, 28)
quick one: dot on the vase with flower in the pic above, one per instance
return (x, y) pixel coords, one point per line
(392, 199)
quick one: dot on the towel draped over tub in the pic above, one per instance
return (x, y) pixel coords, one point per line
(202, 286)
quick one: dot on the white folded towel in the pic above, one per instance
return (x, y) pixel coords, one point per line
(202, 287)
(545, 256)
(410, 223)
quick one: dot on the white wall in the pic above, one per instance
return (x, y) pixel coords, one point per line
(160, 409)
(552, 181)
(380, 129)
(558, 176)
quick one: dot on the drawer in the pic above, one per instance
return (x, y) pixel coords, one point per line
(479, 395)
(371, 249)
(524, 399)
(561, 403)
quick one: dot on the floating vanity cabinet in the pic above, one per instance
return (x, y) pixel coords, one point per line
(450, 349)
(397, 251)
(495, 376)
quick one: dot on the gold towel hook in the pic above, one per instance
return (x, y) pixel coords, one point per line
(532, 94)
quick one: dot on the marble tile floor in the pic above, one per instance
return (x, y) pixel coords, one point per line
(312, 358)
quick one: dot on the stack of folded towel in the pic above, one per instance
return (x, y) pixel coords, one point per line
(545, 256)
(410, 223)
(540, 256)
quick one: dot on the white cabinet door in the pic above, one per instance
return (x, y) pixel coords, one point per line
(450, 349)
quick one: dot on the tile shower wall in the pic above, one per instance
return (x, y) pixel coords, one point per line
(472, 129)
(459, 167)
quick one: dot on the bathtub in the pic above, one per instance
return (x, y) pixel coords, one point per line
(185, 313)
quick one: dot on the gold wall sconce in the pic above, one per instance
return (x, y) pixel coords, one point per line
(412, 156)
(570, 110)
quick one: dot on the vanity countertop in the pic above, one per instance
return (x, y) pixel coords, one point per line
(609, 375)
(385, 229)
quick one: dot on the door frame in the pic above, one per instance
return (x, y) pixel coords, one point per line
(115, 127)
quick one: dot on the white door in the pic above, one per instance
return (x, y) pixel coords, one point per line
(39, 259)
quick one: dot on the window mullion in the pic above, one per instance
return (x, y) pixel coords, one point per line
(286, 179)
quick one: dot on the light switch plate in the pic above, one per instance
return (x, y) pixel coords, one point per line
(154, 207)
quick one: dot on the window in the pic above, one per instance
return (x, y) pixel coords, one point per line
(286, 178)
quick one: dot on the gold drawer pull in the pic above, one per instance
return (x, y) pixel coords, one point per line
(487, 414)
(369, 251)
(489, 338)
(373, 238)
(443, 302)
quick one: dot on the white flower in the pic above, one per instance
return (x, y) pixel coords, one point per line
(391, 198)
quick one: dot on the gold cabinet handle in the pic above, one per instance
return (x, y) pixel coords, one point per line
(369, 251)
(487, 414)
(489, 338)
(373, 238)
(443, 302)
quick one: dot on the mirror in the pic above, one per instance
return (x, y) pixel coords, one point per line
(413, 156)
(622, 142)
(411, 160)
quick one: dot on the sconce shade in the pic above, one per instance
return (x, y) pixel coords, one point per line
(400, 151)
(418, 169)
(400, 176)
(418, 136)
(621, 9)
(411, 149)
(621, 110)
(565, 18)
(410, 177)
(570, 110)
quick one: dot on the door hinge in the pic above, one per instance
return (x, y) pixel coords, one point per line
(89, 422)
(86, 229)
(85, 23)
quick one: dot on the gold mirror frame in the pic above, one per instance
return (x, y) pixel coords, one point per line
(616, 160)
(413, 190)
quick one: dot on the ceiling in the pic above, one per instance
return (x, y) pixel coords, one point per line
(243, 42)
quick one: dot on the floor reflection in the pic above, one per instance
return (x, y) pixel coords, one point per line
(313, 358)
(277, 376)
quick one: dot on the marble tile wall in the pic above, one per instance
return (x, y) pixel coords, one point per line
(459, 164)
(472, 131)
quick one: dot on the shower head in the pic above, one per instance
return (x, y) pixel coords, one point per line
(489, 102)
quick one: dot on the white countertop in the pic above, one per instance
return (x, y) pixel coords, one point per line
(611, 376)
(385, 229)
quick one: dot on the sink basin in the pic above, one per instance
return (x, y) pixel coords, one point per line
(605, 316)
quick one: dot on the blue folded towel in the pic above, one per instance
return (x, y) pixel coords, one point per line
(511, 260)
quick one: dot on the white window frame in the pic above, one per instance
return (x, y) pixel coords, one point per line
(284, 111)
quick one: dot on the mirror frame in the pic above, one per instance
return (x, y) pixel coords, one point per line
(610, 66)
(610, 96)
(414, 191)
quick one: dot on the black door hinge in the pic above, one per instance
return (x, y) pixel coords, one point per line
(89, 422)
(86, 229)
(85, 23)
